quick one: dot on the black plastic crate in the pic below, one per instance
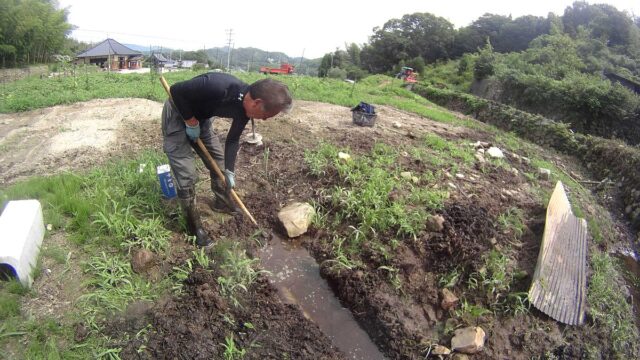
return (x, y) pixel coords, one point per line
(363, 119)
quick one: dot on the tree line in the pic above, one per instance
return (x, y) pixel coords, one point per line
(423, 38)
(31, 31)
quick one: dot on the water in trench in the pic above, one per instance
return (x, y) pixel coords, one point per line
(296, 275)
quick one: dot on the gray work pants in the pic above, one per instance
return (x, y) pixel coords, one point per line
(179, 148)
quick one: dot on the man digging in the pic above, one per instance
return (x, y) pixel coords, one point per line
(195, 103)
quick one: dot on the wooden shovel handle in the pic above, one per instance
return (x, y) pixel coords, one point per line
(213, 163)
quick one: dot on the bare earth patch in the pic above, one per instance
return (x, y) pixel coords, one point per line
(72, 137)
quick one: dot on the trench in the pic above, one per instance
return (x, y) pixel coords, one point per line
(296, 275)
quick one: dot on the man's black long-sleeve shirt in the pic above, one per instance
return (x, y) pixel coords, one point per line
(214, 94)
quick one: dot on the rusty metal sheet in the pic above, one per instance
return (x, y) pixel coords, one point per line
(559, 282)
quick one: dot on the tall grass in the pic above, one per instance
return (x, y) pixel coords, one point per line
(105, 212)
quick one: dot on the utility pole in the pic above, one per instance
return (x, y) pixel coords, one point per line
(229, 40)
(300, 65)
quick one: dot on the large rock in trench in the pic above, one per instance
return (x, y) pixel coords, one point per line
(296, 218)
(469, 340)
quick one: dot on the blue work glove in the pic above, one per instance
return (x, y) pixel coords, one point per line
(193, 132)
(230, 179)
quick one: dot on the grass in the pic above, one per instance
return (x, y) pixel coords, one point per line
(33, 93)
(104, 213)
(231, 350)
(512, 222)
(609, 309)
(362, 193)
(239, 271)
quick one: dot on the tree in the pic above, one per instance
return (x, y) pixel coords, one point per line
(415, 35)
(32, 30)
(605, 22)
(353, 51)
(484, 66)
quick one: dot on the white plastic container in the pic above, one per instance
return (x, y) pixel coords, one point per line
(21, 234)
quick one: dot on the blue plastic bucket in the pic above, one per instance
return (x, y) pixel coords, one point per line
(166, 181)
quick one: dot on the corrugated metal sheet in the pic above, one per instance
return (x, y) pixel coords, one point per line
(559, 282)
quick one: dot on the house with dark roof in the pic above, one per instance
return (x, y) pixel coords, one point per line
(159, 60)
(111, 54)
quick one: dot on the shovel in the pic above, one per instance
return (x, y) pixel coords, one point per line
(212, 162)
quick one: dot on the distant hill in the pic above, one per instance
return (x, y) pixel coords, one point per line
(251, 59)
(142, 49)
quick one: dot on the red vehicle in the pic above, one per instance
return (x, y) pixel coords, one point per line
(283, 69)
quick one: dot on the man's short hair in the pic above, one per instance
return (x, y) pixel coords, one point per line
(274, 94)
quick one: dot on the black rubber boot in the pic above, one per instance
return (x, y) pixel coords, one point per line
(222, 201)
(194, 225)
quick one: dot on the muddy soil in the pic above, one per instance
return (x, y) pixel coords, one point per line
(402, 324)
(197, 324)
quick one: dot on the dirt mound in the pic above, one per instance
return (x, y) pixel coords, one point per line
(467, 233)
(78, 136)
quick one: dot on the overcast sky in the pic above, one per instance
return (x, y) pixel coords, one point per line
(292, 27)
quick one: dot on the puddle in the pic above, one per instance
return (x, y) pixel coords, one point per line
(296, 275)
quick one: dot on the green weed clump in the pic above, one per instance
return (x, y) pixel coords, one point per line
(238, 272)
(365, 183)
(495, 279)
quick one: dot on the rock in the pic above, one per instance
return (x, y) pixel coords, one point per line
(397, 125)
(495, 152)
(480, 144)
(415, 179)
(449, 300)
(469, 340)
(406, 175)
(452, 185)
(344, 156)
(460, 176)
(480, 157)
(509, 193)
(296, 218)
(526, 160)
(435, 223)
(545, 174)
(515, 171)
(431, 314)
(81, 332)
(440, 350)
(142, 260)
